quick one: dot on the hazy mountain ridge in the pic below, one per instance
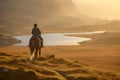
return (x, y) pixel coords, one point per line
(18, 17)
(28, 8)
(48, 13)
(110, 26)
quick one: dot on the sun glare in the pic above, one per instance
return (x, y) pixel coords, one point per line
(104, 9)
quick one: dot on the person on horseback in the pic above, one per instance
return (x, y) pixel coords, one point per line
(36, 33)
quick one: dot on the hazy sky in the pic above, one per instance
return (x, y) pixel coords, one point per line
(104, 9)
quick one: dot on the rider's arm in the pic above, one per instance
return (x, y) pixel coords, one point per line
(39, 31)
(33, 31)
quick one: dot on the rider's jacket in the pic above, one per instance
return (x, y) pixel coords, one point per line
(36, 31)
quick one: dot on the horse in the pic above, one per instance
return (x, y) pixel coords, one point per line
(35, 47)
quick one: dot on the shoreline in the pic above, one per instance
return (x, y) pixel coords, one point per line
(8, 40)
(61, 39)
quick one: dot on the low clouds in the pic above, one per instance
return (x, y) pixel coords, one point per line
(104, 9)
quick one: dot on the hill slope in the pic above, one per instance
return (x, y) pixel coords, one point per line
(14, 67)
(6, 40)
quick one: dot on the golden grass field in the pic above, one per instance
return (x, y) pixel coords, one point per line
(105, 57)
(83, 62)
(66, 63)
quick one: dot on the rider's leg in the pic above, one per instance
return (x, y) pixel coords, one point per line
(42, 41)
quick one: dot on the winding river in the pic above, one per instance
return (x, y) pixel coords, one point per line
(57, 39)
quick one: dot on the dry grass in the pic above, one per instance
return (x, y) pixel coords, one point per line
(105, 57)
(17, 68)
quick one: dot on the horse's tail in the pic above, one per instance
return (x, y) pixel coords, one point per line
(37, 42)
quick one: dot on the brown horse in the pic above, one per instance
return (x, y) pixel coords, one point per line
(35, 47)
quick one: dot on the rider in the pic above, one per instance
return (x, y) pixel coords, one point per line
(36, 33)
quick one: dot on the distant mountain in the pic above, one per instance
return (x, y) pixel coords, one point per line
(20, 15)
(109, 26)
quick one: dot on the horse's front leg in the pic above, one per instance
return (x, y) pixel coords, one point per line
(39, 55)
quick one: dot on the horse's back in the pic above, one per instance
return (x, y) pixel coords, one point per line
(36, 42)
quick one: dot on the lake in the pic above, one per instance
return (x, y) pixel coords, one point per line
(57, 39)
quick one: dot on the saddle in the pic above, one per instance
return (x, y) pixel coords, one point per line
(34, 37)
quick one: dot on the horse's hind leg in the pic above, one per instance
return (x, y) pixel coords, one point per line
(36, 55)
(39, 52)
(31, 53)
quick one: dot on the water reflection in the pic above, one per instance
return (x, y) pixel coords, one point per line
(57, 39)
